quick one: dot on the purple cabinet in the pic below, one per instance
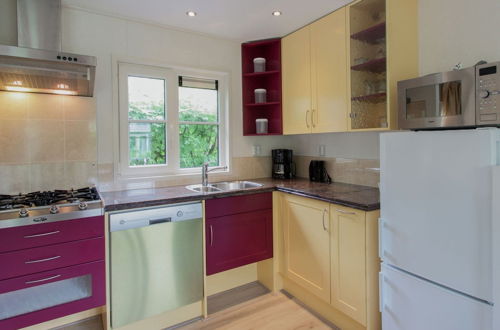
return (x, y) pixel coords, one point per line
(24, 237)
(51, 270)
(43, 258)
(51, 294)
(239, 231)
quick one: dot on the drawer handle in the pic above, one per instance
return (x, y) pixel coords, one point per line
(41, 260)
(44, 234)
(345, 212)
(43, 279)
(211, 236)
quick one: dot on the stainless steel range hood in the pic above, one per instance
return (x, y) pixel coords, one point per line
(38, 65)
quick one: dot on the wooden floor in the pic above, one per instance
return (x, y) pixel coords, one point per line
(271, 311)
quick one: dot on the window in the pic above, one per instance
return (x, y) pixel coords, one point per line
(198, 122)
(170, 121)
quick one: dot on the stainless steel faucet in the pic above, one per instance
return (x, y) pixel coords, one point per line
(205, 170)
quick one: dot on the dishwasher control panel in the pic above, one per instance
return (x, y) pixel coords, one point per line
(131, 219)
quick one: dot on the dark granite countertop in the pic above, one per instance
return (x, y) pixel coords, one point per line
(355, 196)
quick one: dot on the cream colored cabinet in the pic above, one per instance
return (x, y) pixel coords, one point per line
(348, 232)
(338, 253)
(296, 82)
(329, 75)
(314, 87)
(307, 244)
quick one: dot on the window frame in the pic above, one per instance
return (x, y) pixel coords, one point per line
(171, 76)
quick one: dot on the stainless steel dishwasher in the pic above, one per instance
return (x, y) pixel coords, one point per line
(156, 261)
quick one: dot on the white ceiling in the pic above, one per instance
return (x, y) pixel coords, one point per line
(240, 20)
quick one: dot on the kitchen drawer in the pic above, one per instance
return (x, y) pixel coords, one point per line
(41, 297)
(24, 237)
(40, 259)
(219, 207)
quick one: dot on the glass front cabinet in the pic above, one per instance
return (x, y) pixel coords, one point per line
(382, 48)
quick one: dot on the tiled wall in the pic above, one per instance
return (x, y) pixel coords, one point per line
(242, 168)
(46, 142)
(354, 171)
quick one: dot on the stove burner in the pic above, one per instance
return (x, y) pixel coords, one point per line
(44, 198)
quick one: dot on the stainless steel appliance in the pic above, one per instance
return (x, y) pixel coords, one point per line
(38, 64)
(283, 166)
(488, 94)
(454, 99)
(156, 261)
(49, 206)
(438, 100)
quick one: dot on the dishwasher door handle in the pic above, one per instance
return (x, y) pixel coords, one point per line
(157, 221)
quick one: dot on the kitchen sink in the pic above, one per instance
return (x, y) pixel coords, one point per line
(236, 185)
(223, 186)
(199, 188)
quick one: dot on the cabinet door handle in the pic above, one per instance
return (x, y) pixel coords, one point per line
(41, 260)
(43, 279)
(211, 236)
(312, 117)
(324, 227)
(307, 118)
(44, 234)
(345, 212)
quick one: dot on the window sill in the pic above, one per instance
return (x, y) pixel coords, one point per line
(172, 176)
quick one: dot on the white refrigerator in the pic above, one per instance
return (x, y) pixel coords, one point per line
(439, 229)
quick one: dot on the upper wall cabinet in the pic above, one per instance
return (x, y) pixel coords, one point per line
(383, 49)
(314, 61)
(264, 76)
(340, 73)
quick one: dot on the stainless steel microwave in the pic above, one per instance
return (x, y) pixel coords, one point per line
(461, 98)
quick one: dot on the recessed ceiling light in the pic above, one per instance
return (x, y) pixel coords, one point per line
(276, 13)
(191, 13)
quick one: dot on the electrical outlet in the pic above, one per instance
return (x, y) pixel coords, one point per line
(256, 150)
(322, 150)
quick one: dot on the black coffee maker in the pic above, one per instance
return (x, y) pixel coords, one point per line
(283, 166)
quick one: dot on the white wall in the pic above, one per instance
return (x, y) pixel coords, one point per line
(453, 31)
(105, 37)
(359, 145)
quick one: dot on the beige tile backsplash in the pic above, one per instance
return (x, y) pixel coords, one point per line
(354, 171)
(46, 142)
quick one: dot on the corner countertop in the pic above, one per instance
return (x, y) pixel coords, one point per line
(359, 197)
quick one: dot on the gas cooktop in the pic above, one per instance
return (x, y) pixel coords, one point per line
(48, 198)
(48, 206)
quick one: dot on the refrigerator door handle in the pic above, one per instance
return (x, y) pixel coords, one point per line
(380, 292)
(380, 238)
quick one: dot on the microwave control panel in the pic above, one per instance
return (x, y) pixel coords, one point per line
(488, 94)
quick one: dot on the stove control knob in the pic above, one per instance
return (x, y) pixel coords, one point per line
(82, 206)
(23, 213)
(54, 209)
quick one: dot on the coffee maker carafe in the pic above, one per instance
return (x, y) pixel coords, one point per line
(283, 166)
